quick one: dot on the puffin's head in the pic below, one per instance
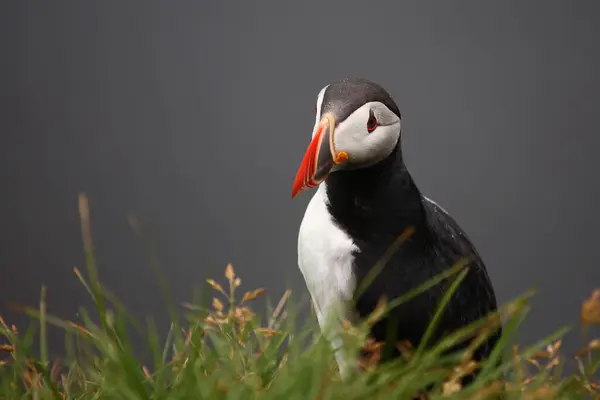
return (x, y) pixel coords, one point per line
(357, 125)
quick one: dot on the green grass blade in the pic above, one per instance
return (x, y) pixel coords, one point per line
(90, 261)
(43, 333)
(439, 311)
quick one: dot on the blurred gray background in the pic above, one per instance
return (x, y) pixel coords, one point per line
(194, 116)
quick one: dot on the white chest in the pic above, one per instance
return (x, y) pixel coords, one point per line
(326, 262)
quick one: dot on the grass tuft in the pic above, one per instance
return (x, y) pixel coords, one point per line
(225, 350)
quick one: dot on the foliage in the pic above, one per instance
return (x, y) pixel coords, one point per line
(225, 350)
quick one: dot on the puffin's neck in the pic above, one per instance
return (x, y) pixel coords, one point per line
(380, 200)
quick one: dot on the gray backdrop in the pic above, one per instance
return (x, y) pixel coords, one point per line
(194, 116)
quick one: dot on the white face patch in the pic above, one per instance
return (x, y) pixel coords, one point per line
(366, 148)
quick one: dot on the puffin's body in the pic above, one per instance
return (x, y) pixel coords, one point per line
(365, 200)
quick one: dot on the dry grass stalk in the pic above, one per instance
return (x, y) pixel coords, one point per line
(8, 348)
(451, 387)
(216, 286)
(592, 346)
(281, 303)
(489, 391)
(230, 274)
(147, 373)
(453, 383)
(550, 354)
(378, 312)
(590, 310)
(253, 294)
(217, 305)
(267, 332)
(405, 348)
(370, 354)
(544, 392)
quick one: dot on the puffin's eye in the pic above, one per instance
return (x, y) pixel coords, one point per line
(372, 122)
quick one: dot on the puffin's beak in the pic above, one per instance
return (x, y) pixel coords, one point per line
(319, 157)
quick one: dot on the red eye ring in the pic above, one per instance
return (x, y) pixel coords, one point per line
(372, 122)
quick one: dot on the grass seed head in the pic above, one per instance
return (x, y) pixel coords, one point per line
(253, 294)
(229, 273)
(267, 332)
(217, 305)
(216, 286)
(590, 310)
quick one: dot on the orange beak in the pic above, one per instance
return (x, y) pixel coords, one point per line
(319, 157)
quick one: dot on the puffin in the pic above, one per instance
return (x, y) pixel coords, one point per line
(365, 199)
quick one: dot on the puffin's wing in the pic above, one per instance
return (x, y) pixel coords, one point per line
(477, 291)
(448, 230)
